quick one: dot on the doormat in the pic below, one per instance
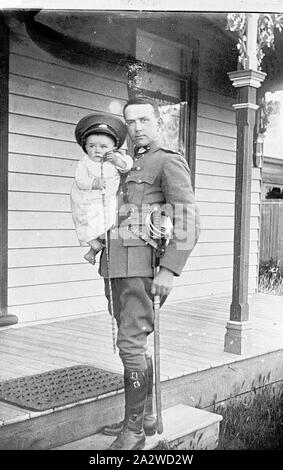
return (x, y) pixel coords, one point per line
(59, 387)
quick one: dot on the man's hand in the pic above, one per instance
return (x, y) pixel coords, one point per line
(163, 282)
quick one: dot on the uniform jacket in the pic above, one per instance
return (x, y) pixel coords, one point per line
(160, 177)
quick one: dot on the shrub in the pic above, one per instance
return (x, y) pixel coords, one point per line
(270, 278)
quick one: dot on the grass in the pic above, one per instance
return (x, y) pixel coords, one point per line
(257, 425)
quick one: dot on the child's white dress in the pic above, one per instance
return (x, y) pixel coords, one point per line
(86, 203)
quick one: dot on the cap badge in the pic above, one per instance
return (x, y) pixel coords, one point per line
(102, 126)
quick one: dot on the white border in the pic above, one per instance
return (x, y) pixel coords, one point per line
(150, 5)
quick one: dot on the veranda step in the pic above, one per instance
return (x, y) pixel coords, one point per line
(185, 427)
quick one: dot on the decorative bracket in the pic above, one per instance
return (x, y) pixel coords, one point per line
(266, 25)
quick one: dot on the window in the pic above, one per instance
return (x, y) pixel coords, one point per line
(274, 192)
(163, 73)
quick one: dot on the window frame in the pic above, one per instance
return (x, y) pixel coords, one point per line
(188, 92)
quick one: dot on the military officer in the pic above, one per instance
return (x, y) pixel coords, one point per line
(158, 177)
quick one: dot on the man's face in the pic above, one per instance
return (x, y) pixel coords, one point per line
(142, 124)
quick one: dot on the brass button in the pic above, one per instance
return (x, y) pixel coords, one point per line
(139, 181)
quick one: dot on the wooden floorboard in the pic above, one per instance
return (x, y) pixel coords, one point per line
(197, 328)
(10, 413)
(191, 338)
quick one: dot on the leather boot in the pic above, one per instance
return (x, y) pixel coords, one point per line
(149, 421)
(132, 436)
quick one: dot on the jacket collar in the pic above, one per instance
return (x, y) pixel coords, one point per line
(152, 147)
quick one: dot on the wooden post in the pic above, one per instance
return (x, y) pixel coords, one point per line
(252, 22)
(5, 319)
(247, 82)
(193, 110)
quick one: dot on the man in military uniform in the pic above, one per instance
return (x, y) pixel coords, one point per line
(159, 177)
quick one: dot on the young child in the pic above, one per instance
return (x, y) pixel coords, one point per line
(100, 136)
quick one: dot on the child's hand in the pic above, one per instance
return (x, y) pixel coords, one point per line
(112, 156)
(99, 183)
(115, 158)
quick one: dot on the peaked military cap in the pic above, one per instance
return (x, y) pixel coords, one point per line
(101, 124)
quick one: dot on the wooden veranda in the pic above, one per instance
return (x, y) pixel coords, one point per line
(194, 368)
(192, 335)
